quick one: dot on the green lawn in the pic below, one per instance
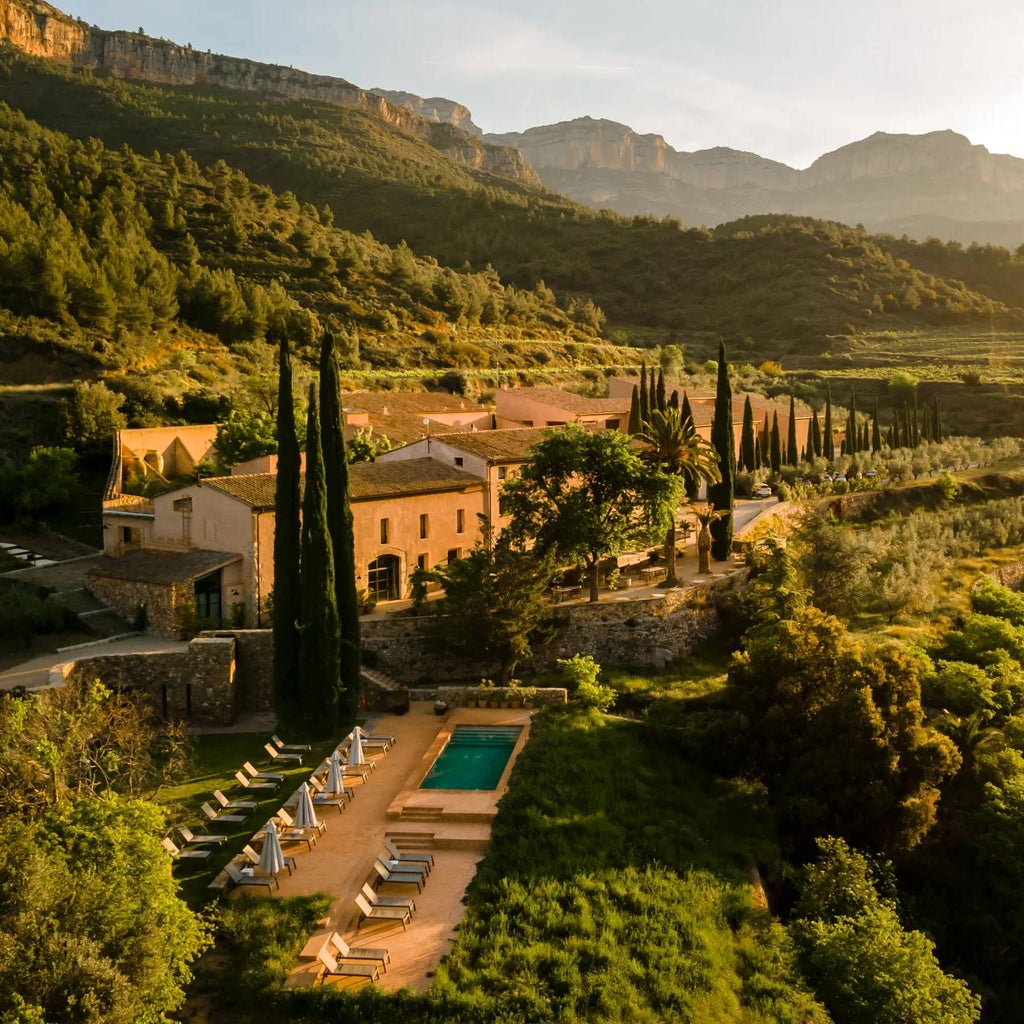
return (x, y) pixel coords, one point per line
(216, 759)
(616, 888)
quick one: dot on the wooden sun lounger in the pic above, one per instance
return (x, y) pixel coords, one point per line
(399, 877)
(347, 968)
(378, 913)
(376, 900)
(236, 876)
(185, 854)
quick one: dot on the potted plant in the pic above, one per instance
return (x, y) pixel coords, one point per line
(514, 694)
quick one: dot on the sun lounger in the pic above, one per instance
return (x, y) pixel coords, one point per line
(378, 739)
(381, 955)
(285, 815)
(234, 805)
(399, 877)
(255, 784)
(320, 785)
(347, 968)
(375, 899)
(254, 773)
(323, 800)
(378, 913)
(409, 856)
(239, 878)
(290, 748)
(287, 831)
(185, 854)
(275, 755)
(197, 840)
(254, 858)
(222, 816)
(409, 867)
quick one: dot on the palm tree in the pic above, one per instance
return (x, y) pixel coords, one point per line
(705, 516)
(682, 452)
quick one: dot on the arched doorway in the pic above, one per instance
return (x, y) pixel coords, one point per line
(382, 578)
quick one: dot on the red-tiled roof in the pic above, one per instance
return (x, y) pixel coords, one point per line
(367, 480)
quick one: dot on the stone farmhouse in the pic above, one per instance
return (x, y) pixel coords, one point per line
(201, 554)
(204, 553)
(553, 407)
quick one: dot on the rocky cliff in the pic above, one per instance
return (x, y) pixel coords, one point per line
(938, 183)
(434, 108)
(41, 30)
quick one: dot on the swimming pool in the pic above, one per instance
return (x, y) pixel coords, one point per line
(474, 758)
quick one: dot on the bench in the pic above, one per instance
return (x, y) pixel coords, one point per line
(566, 593)
(653, 573)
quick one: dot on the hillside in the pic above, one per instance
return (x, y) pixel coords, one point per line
(246, 205)
(937, 184)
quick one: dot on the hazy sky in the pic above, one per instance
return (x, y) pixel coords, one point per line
(788, 79)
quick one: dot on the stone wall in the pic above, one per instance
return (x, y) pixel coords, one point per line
(197, 685)
(1011, 575)
(254, 660)
(635, 631)
(167, 605)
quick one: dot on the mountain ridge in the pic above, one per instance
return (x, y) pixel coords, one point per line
(41, 30)
(882, 181)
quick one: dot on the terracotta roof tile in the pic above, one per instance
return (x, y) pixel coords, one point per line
(367, 480)
(128, 503)
(582, 405)
(162, 567)
(498, 445)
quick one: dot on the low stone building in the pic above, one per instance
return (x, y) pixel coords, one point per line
(205, 553)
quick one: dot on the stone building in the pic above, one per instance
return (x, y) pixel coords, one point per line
(204, 553)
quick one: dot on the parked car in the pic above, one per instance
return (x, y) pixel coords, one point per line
(763, 491)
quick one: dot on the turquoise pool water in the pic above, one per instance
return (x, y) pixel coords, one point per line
(474, 758)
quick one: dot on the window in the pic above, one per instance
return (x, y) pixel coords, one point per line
(385, 531)
(454, 554)
(460, 520)
(424, 526)
(611, 424)
(502, 472)
(421, 562)
(459, 460)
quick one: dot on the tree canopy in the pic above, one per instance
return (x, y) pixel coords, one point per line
(584, 495)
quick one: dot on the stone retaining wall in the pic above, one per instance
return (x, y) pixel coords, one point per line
(197, 685)
(638, 631)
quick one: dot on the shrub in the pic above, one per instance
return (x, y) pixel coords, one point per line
(581, 672)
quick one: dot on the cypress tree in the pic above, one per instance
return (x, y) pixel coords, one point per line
(827, 443)
(814, 441)
(915, 428)
(937, 418)
(339, 522)
(634, 412)
(926, 423)
(673, 402)
(792, 453)
(747, 460)
(721, 495)
(852, 426)
(876, 436)
(691, 485)
(765, 441)
(652, 397)
(319, 659)
(287, 593)
(645, 407)
(864, 442)
(775, 445)
(659, 391)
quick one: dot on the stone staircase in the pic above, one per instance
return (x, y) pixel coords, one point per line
(383, 693)
(97, 617)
